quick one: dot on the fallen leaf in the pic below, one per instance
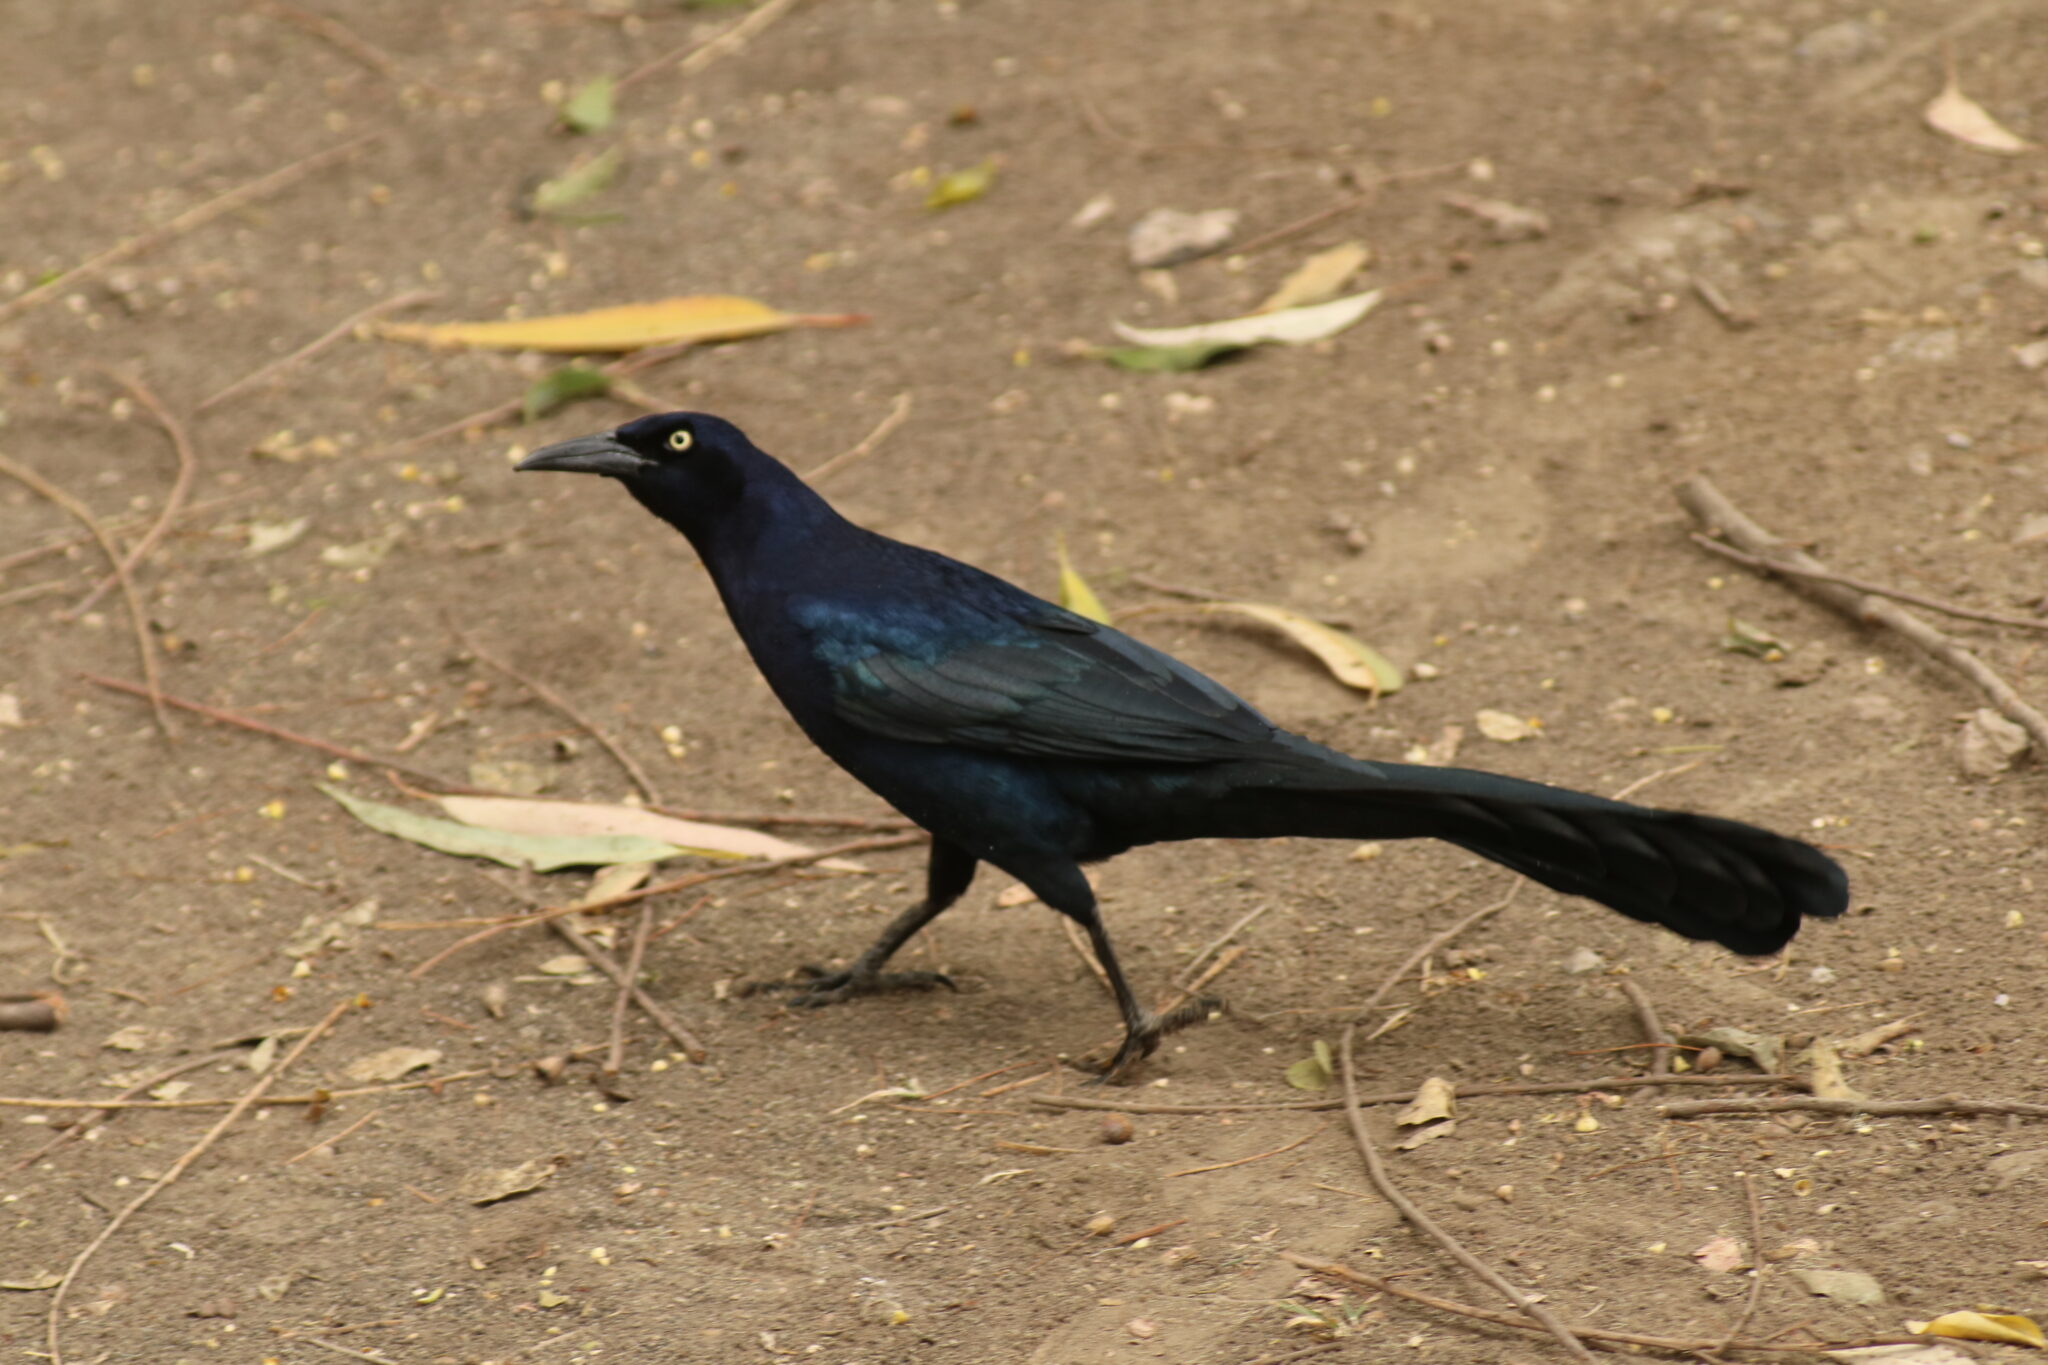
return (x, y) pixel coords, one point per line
(266, 537)
(2007, 1327)
(558, 388)
(1508, 222)
(1434, 1100)
(1766, 1050)
(1743, 638)
(1428, 1133)
(1166, 359)
(1352, 662)
(1315, 1071)
(568, 964)
(1290, 326)
(1075, 594)
(626, 327)
(42, 1279)
(363, 554)
(616, 880)
(1319, 278)
(1845, 1286)
(1869, 1041)
(516, 815)
(962, 187)
(590, 109)
(1965, 120)
(319, 931)
(139, 1038)
(490, 1184)
(1828, 1081)
(585, 180)
(390, 1064)
(1988, 743)
(1503, 728)
(1720, 1255)
(1166, 237)
(511, 776)
(543, 853)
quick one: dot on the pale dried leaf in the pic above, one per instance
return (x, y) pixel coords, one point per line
(544, 853)
(596, 819)
(1507, 222)
(1434, 1099)
(568, 964)
(1965, 120)
(42, 1279)
(1319, 278)
(1720, 1255)
(1352, 662)
(1166, 237)
(390, 1064)
(1845, 1286)
(1291, 326)
(268, 536)
(1429, 1133)
(1766, 1050)
(490, 1184)
(1988, 743)
(1828, 1081)
(1870, 1040)
(139, 1038)
(1504, 728)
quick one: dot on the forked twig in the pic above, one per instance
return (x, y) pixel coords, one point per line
(898, 414)
(1662, 1044)
(174, 502)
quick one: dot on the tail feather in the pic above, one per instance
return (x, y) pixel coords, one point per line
(1698, 875)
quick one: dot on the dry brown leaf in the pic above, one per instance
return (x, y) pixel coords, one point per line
(489, 1185)
(1320, 278)
(390, 1064)
(1430, 1133)
(1828, 1080)
(1434, 1099)
(1965, 120)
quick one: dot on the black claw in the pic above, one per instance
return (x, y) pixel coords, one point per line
(1141, 1042)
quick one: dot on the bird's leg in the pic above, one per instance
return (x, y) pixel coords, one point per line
(1073, 897)
(947, 878)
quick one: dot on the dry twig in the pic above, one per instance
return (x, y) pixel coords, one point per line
(1756, 1267)
(899, 412)
(410, 299)
(1463, 1092)
(1809, 1104)
(1713, 510)
(561, 703)
(1680, 1345)
(693, 57)
(185, 222)
(174, 503)
(1766, 564)
(178, 1168)
(1662, 1044)
(615, 1053)
(1364, 195)
(92, 1118)
(333, 1138)
(629, 986)
(1248, 1160)
(145, 645)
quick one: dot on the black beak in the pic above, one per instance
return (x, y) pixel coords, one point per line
(603, 454)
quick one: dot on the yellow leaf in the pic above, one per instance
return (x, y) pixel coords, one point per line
(1352, 662)
(962, 187)
(1503, 728)
(627, 327)
(1317, 279)
(2007, 1327)
(1963, 119)
(1075, 594)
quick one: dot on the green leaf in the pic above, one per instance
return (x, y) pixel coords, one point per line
(962, 187)
(560, 387)
(1075, 594)
(1168, 359)
(1755, 641)
(578, 183)
(1313, 1073)
(589, 110)
(541, 852)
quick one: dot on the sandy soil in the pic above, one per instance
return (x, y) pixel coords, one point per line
(1477, 477)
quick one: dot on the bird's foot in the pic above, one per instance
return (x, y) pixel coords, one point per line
(1142, 1040)
(818, 987)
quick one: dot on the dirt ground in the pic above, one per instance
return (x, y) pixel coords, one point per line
(1759, 264)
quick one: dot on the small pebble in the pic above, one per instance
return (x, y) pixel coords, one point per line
(1117, 1130)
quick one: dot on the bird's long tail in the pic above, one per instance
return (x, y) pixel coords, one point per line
(1700, 876)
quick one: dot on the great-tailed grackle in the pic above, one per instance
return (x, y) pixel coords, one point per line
(1023, 735)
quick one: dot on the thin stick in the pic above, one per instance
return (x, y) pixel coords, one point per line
(629, 986)
(144, 645)
(1808, 1104)
(344, 40)
(1248, 1160)
(1244, 922)
(410, 299)
(1143, 1233)
(92, 1118)
(615, 1055)
(664, 888)
(1376, 1171)
(1224, 962)
(1662, 1044)
(341, 751)
(199, 216)
(342, 1350)
(1681, 1345)
(1864, 585)
(1713, 510)
(1428, 949)
(1337, 210)
(327, 1142)
(898, 413)
(33, 591)
(634, 771)
(178, 1168)
(694, 57)
(1756, 1269)
(1463, 1092)
(121, 527)
(174, 503)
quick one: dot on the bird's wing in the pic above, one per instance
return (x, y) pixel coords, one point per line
(1040, 681)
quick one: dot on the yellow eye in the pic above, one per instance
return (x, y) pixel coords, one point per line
(680, 440)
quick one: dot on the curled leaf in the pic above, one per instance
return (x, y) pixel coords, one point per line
(626, 327)
(1743, 638)
(1317, 279)
(1828, 1081)
(589, 110)
(1351, 661)
(962, 187)
(560, 387)
(584, 180)
(1962, 118)
(1433, 1101)
(1289, 326)
(2007, 1327)
(1075, 594)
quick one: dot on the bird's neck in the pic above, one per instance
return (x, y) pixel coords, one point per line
(766, 530)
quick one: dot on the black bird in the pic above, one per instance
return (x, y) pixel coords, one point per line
(1023, 735)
